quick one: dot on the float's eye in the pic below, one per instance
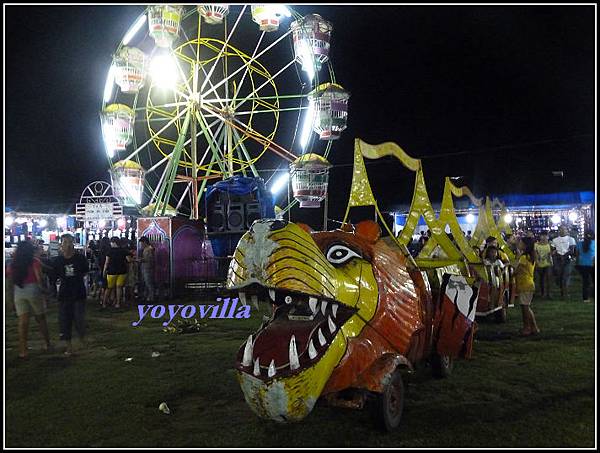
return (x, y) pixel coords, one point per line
(340, 254)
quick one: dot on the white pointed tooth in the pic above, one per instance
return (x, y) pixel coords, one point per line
(312, 352)
(334, 308)
(255, 301)
(271, 371)
(242, 297)
(272, 294)
(288, 299)
(323, 307)
(257, 367)
(322, 340)
(312, 302)
(332, 326)
(247, 360)
(294, 361)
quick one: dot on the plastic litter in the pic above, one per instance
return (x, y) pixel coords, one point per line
(164, 408)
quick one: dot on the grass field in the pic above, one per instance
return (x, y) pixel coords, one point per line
(514, 392)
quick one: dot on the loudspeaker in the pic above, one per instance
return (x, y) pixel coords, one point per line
(252, 213)
(215, 218)
(235, 216)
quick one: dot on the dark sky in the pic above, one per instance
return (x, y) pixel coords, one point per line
(501, 95)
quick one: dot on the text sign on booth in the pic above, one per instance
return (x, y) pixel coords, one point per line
(98, 211)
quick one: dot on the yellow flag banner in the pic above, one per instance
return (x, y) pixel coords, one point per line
(463, 191)
(448, 218)
(421, 206)
(360, 192)
(387, 149)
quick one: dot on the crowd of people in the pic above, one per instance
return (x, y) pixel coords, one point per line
(113, 272)
(539, 261)
(107, 271)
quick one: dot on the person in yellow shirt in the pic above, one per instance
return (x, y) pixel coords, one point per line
(525, 285)
(543, 264)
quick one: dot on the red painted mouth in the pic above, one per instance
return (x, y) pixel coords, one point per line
(295, 337)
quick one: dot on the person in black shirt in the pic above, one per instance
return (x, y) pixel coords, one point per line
(70, 268)
(115, 269)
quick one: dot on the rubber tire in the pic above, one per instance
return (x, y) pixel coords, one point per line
(441, 365)
(390, 403)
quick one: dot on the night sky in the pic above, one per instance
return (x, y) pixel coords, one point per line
(500, 95)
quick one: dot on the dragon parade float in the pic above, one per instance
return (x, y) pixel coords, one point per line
(192, 101)
(354, 310)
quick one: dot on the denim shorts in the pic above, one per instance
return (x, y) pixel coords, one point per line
(29, 299)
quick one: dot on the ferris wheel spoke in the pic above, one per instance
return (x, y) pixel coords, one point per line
(210, 126)
(166, 189)
(185, 192)
(211, 140)
(163, 113)
(156, 134)
(239, 87)
(258, 137)
(217, 98)
(269, 80)
(262, 52)
(183, 77)
(274, 110)
(190, 43)
(171, 104)
(223, 49)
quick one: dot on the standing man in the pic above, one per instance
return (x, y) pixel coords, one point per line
(147, 268)
(70, 268)
(564, 252)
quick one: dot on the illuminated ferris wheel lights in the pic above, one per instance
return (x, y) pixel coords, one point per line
(268, 16)
(307, 127)
(134, 29)
(283, 10)
(163, 71)
(306, 60)
(280, 183)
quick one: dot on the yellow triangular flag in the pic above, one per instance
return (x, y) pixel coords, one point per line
(360, 193)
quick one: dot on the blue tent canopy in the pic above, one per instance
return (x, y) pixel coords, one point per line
(242, 185)
(548, 199)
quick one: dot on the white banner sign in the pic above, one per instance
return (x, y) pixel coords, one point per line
(98, 211)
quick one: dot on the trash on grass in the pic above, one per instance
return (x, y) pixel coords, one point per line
(164, 408)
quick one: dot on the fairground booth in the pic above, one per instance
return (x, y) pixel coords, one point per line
(525, 212)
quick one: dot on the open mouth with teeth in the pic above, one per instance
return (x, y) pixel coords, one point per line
(296, 336)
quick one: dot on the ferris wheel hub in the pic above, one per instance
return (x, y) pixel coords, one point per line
(196, 98)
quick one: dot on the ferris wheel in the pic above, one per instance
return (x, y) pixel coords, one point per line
(197, 94)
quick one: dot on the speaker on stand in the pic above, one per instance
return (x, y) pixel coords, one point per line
(216, 217)
(235, 217)
(252, 213)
